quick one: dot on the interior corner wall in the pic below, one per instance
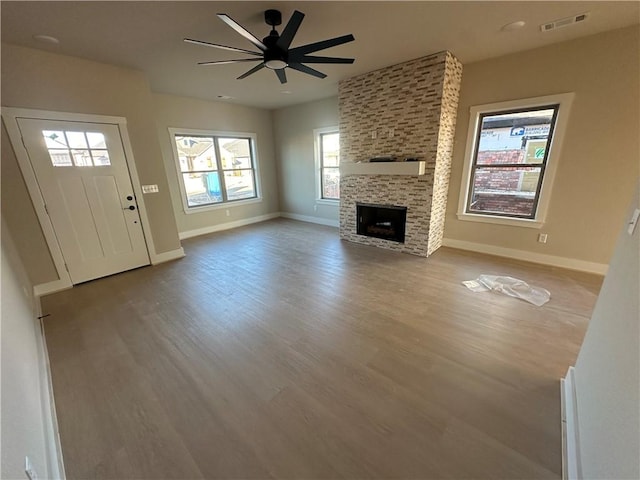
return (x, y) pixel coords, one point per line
(599, 159)
(27, 427)
(47, 81)
(607, 372)
(294, 138)
(191, 113)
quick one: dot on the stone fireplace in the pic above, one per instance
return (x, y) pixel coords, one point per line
(403, 111)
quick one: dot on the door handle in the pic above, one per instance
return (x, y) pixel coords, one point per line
(130, 207)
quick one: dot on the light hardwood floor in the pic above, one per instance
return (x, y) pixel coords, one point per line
(278, 351)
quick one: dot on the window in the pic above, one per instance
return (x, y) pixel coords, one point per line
(328, 164)
(80, 149)
(215, 169)
(512, 149)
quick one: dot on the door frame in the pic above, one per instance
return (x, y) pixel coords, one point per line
(10, 116)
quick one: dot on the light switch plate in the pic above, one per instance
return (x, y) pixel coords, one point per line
(150, 189)
(634, 221)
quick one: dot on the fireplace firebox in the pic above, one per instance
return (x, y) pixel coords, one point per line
(381, 221)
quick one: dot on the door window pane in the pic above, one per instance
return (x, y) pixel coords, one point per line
(96, 140)
(100, 158)
(239, 184)
(54, 139)
(60, 158)
(76, 140)
(82, 158)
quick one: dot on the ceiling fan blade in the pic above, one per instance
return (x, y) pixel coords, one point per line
(290, 30)
(223, 47)
(308, 70)
(241, 30)
(307, 59)
(282, 76)
(251, 72)
(222, 62)
(314, 47)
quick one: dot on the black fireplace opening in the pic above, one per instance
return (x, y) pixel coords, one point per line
(381, 221)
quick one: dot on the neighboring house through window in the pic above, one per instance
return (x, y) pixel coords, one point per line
(512, 152)
(327, 146)
(214, 168)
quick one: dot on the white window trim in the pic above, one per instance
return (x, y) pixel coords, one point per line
(173, 131)
(564, 100)
(318, 165)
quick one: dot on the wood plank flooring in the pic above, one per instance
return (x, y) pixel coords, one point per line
(279, 351)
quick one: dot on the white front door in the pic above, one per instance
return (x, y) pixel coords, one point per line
(84, 179)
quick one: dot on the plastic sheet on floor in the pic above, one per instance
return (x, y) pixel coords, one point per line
(510, 286)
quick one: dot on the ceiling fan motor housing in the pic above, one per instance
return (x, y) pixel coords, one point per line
(274, 57)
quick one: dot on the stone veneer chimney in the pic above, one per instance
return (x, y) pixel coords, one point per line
(412, 108)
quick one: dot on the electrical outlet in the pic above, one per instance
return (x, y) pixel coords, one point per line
(542, 238)
(227, 212)
(374, 134)
(391, 132)
(315, 208)
(29, 470)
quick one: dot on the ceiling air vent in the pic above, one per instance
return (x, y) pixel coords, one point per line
(564, 22)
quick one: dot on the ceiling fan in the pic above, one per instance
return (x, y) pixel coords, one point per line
(275, 53)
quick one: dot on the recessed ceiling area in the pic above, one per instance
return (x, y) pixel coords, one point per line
(148, 36)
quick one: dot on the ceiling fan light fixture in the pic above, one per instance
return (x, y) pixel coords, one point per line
(276, 64)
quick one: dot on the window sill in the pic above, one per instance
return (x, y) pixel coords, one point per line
(218, 206)
(326, 201)
(514, 222)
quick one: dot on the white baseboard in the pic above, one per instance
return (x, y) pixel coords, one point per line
(51, 287)
(227, 225)
(570, 440)
(55, 461)
(563, 262)
(310, 219)
(167, 256)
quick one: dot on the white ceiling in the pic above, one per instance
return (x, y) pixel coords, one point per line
(148, 36)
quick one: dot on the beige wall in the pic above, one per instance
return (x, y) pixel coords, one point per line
(600, 155)
(293, 129)
(46, 81)
(607, 373)
(191, 113)
(27, 428)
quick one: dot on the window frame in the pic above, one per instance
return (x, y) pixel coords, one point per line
(548, 168)
(319, 166)
(215, 134)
